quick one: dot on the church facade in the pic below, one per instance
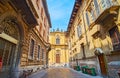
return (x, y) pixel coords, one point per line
(58, 56)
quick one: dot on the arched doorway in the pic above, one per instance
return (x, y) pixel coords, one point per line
(9, 45)
(57, 56)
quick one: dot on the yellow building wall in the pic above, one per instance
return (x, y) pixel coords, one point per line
(62, 48)
(90, 43)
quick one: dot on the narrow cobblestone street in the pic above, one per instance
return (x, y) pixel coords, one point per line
(61, 73)
(59, 39)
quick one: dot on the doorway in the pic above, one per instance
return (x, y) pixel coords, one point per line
(7, 51)
(102, 64)
(57, 58)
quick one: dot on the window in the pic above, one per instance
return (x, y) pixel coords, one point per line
(38, 51)
(57, 40)
(92, 15)
(83, 50)
(79, 32)
(104, 4)
(31, 54)
(87, 19)
(114, 2)
(42, 53)
(96, 7)
(115, 37)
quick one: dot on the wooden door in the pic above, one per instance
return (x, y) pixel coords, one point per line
(7, 51)
(57, 58)
(102, 64)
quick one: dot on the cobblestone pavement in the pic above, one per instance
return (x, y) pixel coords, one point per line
(62, 73)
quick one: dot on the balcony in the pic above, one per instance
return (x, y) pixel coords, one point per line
(110, 10)
(95, 30)
(24, 8)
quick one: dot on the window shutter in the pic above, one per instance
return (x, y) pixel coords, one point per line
(87, 18)
(79, 31)
(32, 49)
(97, 7)
(38, 51)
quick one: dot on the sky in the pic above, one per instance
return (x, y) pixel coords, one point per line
(60, 12)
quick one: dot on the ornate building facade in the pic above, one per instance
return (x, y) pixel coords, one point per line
(24, 36)
(59, 48)
(94, 36)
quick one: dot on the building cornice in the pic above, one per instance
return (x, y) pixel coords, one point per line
(47, 12)
(47, 44)
(74, 13)
(22, 6)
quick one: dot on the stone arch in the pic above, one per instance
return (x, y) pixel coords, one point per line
(58, 52)
(16, 19)
(11, 20)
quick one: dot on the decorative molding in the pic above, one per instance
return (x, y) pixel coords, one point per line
(8, 38)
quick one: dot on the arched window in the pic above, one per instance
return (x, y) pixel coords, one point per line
(57, 40)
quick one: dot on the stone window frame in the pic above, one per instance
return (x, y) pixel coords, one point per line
(43, 53)
(57, 39)
(33, 50)
(38, 51)
(90, 13)
(79, 30)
